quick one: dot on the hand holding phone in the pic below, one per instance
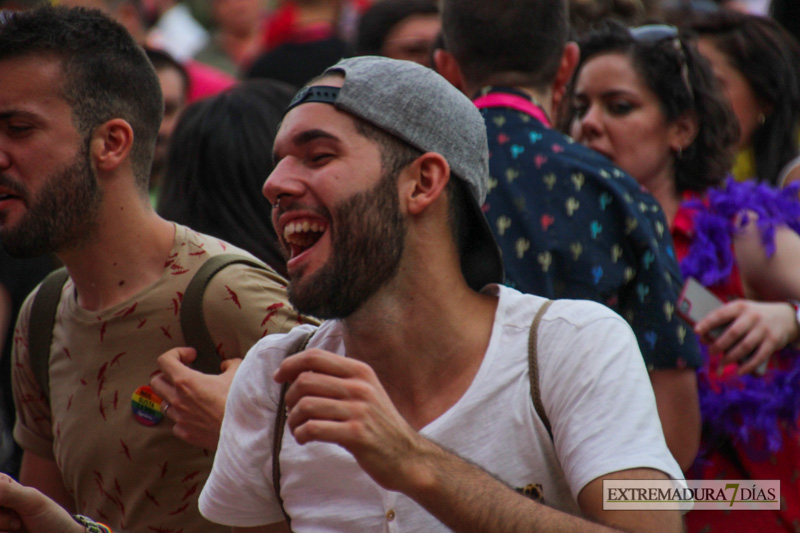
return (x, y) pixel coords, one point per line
(696, 302)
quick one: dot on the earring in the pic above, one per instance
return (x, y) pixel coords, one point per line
(762, 118)
(679, 152)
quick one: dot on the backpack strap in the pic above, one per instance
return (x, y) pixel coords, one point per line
(533, 367)
(280, 425)
(193, 323)
(40, 326)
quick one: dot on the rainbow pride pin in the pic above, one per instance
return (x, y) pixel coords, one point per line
(146, 406)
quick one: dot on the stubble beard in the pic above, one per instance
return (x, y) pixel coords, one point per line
(63, 216)
(368, 235)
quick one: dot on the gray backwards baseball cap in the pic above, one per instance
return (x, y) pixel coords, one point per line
(417, 105)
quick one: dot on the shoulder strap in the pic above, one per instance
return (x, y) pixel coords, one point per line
(40, 326)
(533, 367)
(193, 324)
(280, 424)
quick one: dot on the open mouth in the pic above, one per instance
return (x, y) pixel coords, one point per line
(303, 233)
(8, 196)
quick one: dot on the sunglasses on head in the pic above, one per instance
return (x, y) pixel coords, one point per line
(656, 33)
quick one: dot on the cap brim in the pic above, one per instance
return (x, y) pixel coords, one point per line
(481, 260)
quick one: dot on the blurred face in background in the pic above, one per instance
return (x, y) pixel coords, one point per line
(413, 38)
(238, 17)
(746, 105)
(174, 89)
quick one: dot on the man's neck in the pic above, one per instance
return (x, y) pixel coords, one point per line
(543, 98)
(126, 254)
(425, 341)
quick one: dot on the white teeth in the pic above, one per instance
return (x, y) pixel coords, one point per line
(303, 232)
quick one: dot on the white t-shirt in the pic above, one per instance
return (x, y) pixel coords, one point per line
(595, 390)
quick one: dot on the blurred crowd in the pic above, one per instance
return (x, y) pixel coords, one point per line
(691, 106)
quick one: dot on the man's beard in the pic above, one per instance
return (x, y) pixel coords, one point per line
(368, 235)
(62, 216)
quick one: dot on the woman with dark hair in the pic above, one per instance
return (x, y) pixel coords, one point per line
(220, 156)
(648, 101)
(758, 63)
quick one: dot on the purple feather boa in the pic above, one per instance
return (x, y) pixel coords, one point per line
(751, 410)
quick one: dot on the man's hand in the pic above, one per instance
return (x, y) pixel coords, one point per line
(27, 510)
(339, 400)
(754, 327)
(196, 401)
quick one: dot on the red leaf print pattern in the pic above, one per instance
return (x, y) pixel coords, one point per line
(233, 296)
(178, 270)
(190, 476)
(125, 451)
(125, 312)
(272, 310)
(179, 510)
(166, 331)
(190, 491)
(170, 260)
(151, 498)
(101, 373)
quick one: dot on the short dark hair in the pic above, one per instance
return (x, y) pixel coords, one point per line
(707, 160)
(524, 38)
(396, 154)
(377, 22)
(219, 157)
(106, 74)
(769, 59)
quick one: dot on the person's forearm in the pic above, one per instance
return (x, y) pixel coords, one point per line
(466, 498)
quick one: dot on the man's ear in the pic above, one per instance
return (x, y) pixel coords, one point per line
(445, 64)
(423, 182)
(569, 60)
(111, 144)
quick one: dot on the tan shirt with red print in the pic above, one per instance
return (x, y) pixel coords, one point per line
(132, 476)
